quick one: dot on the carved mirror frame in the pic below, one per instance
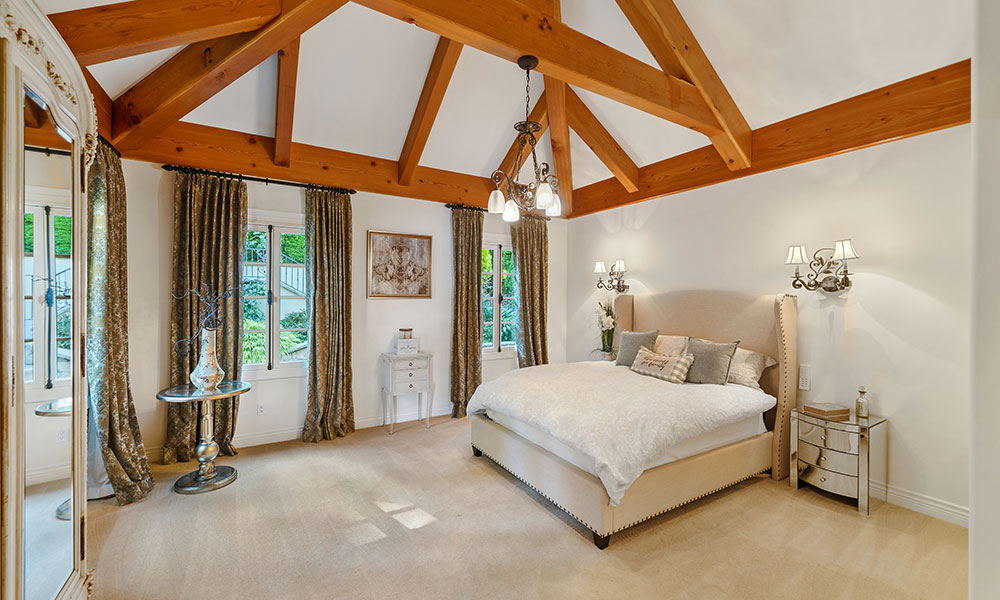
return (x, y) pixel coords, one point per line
(34, 55)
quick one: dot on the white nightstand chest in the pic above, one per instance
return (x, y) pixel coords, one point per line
(843, 457)
(406, 374)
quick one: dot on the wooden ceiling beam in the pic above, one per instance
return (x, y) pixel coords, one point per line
(124, 29)
(200, 70)
(556, 92)
(930, 102)
(191, 145)
(288, 72)
(603, 144)
(103, 104)
(510, 29)
(668, 37)
(435, 85)
(511, 163)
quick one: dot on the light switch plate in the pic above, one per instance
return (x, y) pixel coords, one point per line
(805, 379)
(62, 435)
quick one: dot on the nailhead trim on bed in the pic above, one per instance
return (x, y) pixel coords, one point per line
(778, 471)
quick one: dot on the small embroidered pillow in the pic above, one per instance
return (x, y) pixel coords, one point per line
(668, 368)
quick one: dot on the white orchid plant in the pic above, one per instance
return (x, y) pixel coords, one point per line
(606, 320)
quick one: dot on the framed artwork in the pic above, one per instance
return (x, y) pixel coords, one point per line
(399, 265)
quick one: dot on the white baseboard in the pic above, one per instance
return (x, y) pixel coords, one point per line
(46, 474)
(921, 503)
(401, 417)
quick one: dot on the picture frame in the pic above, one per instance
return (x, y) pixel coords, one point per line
(399, 265)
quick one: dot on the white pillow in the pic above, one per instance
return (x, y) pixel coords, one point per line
(748, 366)
(670, 345)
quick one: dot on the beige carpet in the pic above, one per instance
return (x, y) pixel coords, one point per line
(414, 515)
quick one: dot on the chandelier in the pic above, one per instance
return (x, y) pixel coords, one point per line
(540, 194)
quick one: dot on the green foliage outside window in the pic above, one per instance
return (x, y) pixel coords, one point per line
(293, 248)
(63, 227)
(29, 234)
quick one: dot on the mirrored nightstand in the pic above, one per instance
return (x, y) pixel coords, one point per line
(843, 457)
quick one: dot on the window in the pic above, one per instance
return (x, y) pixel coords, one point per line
(275, 327)
(499, 298)
(48, 289)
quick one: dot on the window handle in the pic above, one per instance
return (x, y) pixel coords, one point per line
(270, 297)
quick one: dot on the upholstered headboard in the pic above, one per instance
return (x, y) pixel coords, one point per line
(766, 324)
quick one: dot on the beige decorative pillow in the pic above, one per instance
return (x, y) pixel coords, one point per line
(748, 366)
(671, 345)
(668, 368)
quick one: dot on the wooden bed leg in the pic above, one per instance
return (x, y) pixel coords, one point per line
(601, 541)
(476, 451)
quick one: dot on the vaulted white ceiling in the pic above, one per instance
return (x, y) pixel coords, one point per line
(360, 74)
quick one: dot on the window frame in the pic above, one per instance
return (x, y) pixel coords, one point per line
(273, 367)
(498, 351)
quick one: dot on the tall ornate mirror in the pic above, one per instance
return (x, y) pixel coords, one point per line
(48, 132)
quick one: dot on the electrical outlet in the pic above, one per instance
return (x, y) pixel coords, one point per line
(260, 409)
(62, 435)
(805, 378)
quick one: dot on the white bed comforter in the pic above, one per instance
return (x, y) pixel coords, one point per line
(620, 418)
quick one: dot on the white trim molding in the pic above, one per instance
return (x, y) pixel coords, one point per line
(921, 503)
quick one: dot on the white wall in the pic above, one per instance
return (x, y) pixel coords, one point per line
(902, 331)
(984, 526)
(282, 394)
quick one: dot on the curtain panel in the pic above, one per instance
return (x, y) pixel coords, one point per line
(466, 341)
(210, 227)
(530, 236)
(110, 395)
(330, 409)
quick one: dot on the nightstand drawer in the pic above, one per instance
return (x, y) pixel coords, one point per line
(831, 460)
(409, 365)
(408, 387)
(409, 376)
(825, 437)
(844, 485)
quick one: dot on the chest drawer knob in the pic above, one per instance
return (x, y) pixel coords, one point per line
(411, 374)
(822, 458)
(823, 479)
(411, 386)
(411, 363)
(822, 437)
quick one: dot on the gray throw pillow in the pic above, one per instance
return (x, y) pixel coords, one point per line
(711, 361)
(630, 343)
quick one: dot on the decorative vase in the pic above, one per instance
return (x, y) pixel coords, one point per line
(861, 404)
(207, 373)
(607, 339)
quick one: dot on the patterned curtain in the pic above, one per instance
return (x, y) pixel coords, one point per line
(530, 236)
(110, 396)
(210, 228)
(330, 411)
(466, 341)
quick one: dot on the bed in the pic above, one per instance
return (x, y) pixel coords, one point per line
(696, 467)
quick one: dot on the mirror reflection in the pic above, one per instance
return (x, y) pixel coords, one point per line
(47, 286)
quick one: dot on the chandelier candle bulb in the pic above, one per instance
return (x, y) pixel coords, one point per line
(556, 208)
(510, 212)
(496, 204)
(543, 196)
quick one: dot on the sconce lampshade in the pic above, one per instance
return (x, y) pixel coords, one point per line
(599, 268)
(511, 212)
(844, 250)
(620, 266)
(796, 255)
(496, 202)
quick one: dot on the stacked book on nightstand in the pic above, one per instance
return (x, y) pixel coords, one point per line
(827, 410)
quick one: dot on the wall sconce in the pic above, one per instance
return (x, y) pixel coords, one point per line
(828, 266)
(616, 276)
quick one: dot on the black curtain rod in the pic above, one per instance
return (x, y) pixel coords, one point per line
(264, 180)
(465, 207)
(48, 151)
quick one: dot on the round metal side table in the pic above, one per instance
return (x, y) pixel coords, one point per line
(208, 477)
(62, 407)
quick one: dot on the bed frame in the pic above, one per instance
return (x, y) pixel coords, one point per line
(765, 324)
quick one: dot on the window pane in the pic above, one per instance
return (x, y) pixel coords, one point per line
(63, 275)
(254, 281)
(293, 249)
(64, 358)
(254, 348)
(293, 313)
(256, 247)
(29, 275)
(487, 336)
(508, 311)
(63, 234)
(29, 361)
(507, 334)
(293, 281)
(487, 286)
(64, 315)
(29, 234)
(294, 345)
(254, 314)
(508, 261)
(29, 319)
(507, 287)
(488, 311)
(487, 260)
